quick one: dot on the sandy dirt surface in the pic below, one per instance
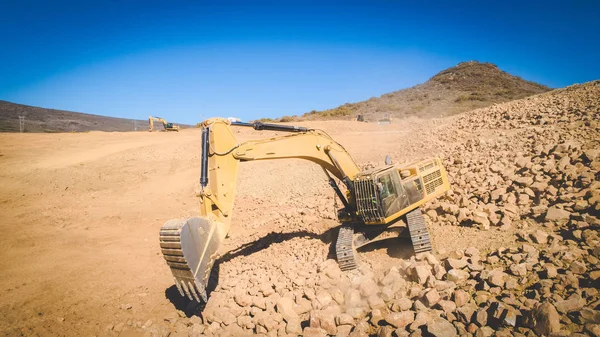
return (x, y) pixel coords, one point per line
(80, 216)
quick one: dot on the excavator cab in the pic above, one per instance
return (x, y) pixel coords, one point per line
(385, 194)
(392, 195)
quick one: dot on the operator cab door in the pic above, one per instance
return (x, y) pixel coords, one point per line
(395, 194)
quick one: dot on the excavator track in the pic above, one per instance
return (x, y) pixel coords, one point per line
(189, 248)
(344, 248)
(418, 231)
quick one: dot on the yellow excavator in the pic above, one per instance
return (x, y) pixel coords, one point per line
(168, 126)
(376, 201)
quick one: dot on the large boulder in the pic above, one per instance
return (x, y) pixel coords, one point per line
(440, 327)
(545, 320)
(400, 319)
(557, 214)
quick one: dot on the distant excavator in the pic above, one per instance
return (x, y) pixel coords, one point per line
(168, 126)
(377, 202)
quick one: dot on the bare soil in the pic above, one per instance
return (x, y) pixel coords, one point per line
(81, 212)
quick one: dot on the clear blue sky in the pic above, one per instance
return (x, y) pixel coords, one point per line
(185, 59)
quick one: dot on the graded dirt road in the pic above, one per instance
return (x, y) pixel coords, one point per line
(80, 215)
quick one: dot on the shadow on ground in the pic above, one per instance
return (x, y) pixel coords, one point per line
(400, 248)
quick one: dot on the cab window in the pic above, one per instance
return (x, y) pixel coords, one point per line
(386, 186)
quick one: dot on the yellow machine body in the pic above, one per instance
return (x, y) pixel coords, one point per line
(167, 126)
(373, 197)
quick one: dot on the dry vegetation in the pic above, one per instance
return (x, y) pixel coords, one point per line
(468, 86)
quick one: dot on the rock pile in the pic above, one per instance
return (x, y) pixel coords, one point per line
(535, 159)
(516, 291)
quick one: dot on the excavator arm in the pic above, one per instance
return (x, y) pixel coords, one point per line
(190, 247)
(222, 154)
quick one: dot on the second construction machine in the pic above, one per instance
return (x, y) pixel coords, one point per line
(376, 201)
(167, 126)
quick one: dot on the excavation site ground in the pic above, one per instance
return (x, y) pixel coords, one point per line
(516, 246)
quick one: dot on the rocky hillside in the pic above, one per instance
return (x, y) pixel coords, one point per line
(51, 120)
(468, 86)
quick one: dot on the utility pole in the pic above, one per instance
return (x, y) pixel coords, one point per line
(21, 123)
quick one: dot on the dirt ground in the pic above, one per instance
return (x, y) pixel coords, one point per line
(81, 213)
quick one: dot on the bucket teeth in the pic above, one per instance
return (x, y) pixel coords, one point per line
(189, 248)
(195, 292)
(178, 286)
(188, 289)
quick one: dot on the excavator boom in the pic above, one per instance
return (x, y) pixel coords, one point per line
(375, 197)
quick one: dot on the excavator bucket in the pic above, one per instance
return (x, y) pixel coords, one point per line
(190, 248)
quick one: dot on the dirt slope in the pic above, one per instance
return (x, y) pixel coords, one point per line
(467, 86)
(51, 120)
(81, 214)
